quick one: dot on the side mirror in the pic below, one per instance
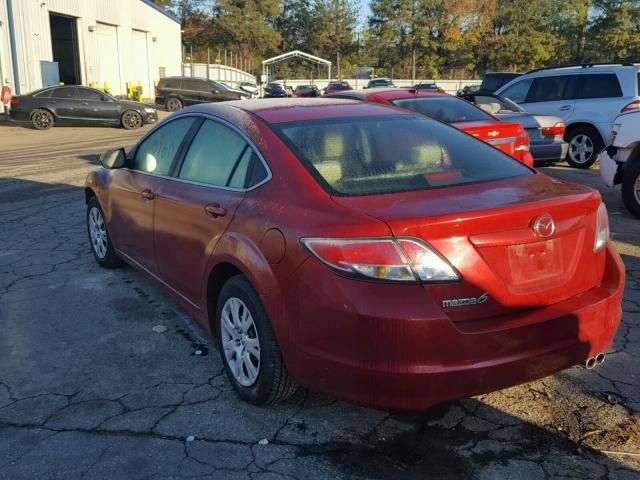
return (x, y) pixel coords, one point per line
(114, 158)
(214, 90)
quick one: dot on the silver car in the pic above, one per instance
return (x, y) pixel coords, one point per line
(545, 132)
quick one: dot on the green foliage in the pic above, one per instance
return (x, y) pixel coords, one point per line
(428, 38)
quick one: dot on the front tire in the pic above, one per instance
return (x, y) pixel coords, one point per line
(248, 346)
(42, 119)
(631, 189)
(99, 238)
(131, 120)
(585, 146)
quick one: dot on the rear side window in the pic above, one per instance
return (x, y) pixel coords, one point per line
(45, 94)
(63, 93)
(547, 89)
(157, 152)
(219, 156)
(197, 85)
(93, 95)
(171, 83)
(444, 109)
(603, 85)
(353, 156)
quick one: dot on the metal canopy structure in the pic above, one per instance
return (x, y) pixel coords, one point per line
(266, 64)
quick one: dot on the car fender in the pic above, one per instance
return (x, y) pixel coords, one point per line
(601, 124)
(608, 169)
(48, 108)
(242, 253)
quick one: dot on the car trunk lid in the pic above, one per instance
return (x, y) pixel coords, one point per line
(486, 231)
(502, 135)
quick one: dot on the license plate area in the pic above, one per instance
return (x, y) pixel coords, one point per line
(532, 262)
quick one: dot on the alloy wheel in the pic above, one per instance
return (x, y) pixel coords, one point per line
(42, 120)
(581, 149)
(636, 189)
(132, 119)
(98, 232)
(173, 105)
(240, 341)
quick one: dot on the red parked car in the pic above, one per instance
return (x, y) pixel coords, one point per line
(337, 86)
(376, 255)
(306, 91)
(509, 137)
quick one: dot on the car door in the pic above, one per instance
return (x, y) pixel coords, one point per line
(192, 91)
(132, 190)
(216, 93)
(195, 208)
(64, 103)
(552, 95)
(94, 106)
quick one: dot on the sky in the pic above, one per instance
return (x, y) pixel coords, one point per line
(364, 12)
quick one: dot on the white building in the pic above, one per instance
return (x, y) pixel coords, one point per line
(45, 42)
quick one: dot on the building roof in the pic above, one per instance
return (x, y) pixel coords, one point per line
(161, 10)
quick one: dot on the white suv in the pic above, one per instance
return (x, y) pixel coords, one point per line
(587, 97)
(620, 162)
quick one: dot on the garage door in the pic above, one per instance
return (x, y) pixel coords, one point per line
(141, 62)
(109, 60)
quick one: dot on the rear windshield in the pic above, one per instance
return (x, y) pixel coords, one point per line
(443, 109)
(337, 86)
(390, 154)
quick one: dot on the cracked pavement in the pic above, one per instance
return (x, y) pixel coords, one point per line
(88, 390)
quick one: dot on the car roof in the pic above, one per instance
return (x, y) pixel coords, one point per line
(278, 110)
(395, 93)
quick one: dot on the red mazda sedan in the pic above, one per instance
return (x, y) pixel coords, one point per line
(376, 255)
(509, 137)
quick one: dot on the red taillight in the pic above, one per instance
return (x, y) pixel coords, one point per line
(557, 129)
(15, 101)
(635, 105)
(383, 259)
(157, 92)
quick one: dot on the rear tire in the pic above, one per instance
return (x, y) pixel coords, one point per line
(174, 104)
(42, 119)
(131, 120)
(585, 146)
(248, 346)
(631, 189)
(99, 238)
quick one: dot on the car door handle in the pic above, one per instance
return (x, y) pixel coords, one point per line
(215, 210)
(85, 103)
(564, 108)
(147, 194)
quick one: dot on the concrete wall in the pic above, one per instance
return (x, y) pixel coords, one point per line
(33, 38)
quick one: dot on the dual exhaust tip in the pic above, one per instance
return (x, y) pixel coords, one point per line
(593, 362)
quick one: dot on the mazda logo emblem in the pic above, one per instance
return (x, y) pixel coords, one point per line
(544, 226)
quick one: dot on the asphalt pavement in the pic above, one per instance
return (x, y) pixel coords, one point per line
(103, 377)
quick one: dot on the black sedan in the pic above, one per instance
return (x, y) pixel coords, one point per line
(76, 105)
(275, 90)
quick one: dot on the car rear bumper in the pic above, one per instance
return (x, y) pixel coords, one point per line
(549, 151)
(391, 347)
(18, 115)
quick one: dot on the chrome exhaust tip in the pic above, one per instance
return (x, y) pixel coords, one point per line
(600, 358)
(589, 363)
